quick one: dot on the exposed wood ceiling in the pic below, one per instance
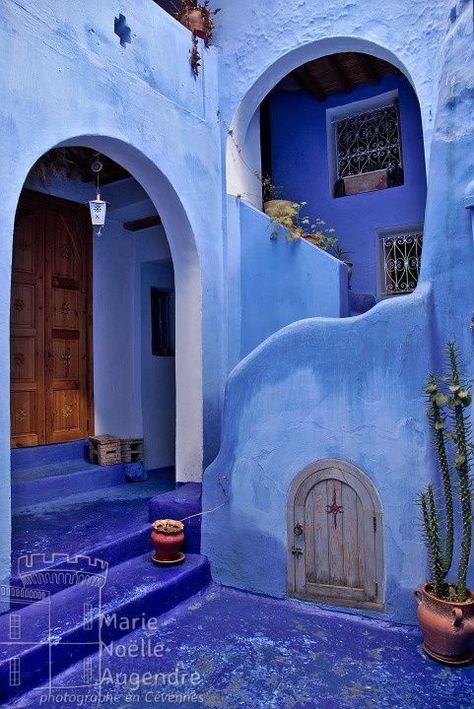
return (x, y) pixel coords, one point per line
(75, 164)
(340, 73)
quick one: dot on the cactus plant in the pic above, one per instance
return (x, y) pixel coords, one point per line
(449, 399)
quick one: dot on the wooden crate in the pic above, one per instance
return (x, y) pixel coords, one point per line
(132, 450)
(104, 450)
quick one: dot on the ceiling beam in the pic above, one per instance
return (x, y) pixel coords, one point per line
(144, 223)
(368, 68)
(309, 83)
(338, 70)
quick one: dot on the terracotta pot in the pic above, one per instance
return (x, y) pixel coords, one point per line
(167, 536)
(447, 627)
(194, 20)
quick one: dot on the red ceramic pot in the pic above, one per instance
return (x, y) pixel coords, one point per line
(167, 536)
(447, 627)
(195, 20)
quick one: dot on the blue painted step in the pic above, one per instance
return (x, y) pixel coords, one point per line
(57, 480)
(134, 589)
(183, 502)
(109, 524)
(48, 455)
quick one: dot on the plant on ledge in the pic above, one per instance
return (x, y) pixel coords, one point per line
(198, 17)
(446, 609)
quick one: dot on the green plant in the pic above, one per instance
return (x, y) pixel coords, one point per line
(449, 400)
(269, 190)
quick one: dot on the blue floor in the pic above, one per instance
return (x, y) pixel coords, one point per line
(254, 652)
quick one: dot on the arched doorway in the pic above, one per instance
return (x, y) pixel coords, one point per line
(337, 128)
(164, 278)
(335, 537)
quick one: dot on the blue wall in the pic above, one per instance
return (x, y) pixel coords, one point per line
(283, 281)
(158, 376)
(353, 388)
(301, 167)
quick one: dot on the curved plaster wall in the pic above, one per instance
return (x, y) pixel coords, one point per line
(353, 389)
(141, 106)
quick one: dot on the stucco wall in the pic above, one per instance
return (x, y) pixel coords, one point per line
(69, 79)
(158, 376)
(353, 389)
(282, 281)
(301, 167)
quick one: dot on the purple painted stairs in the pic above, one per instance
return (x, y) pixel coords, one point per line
(82, 556)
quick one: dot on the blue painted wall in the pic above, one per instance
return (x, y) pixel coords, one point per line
(286, 281)
(301, 167)
(350, 389)
(158, 376)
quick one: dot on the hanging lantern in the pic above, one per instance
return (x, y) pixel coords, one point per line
(97, 206)
(98, 209)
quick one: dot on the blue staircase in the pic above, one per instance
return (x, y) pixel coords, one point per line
(81, 541)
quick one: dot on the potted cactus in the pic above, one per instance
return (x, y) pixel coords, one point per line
(446, 608)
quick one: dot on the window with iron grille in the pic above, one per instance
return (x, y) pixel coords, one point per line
(369, 142)
(400, 254)
(15, 627)
(14, 672)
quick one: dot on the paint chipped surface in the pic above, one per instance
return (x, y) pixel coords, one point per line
(252, 651)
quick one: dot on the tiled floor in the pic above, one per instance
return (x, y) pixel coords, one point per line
(253, 652)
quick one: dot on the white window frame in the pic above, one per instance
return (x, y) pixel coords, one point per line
(15, 626)
(88, 622)
(338, 113)
(14, 672)
(88, 671)
(381, 235)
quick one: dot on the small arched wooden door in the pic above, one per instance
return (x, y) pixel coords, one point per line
(335, 536)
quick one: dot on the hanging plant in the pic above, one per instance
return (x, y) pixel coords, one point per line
(198, 17)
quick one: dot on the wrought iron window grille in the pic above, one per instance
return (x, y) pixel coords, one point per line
(369, 141)
(401, 260)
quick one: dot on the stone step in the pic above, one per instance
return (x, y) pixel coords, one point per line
(109, 524)
(67, 627)
(57, 480)
(36, 456)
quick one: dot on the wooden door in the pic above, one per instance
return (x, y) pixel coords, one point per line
(335, 536)
(51, 375)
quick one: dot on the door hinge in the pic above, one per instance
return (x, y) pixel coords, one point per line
(376, 590)
(375, 524)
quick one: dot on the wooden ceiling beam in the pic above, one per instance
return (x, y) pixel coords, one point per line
(309, 83)
(338, 70)
(368, 68)
(144, 223)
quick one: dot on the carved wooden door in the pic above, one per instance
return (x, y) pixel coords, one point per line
(335, 535)
(51, 389)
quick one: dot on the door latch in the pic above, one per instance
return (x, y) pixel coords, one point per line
(298, 529)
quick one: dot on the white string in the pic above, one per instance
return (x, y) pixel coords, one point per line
(207, 512)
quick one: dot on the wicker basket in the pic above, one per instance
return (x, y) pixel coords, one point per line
(132, 450)
(104, 450)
